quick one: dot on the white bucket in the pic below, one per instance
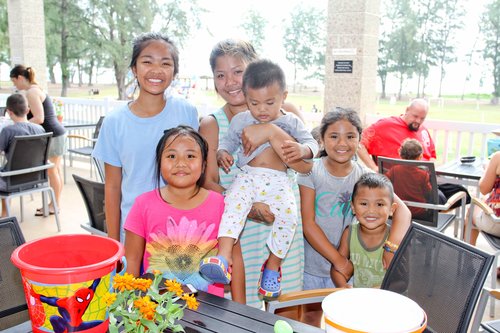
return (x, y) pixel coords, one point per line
(366, 310)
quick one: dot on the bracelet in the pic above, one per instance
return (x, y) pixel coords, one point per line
(390, 246)
(388, 249)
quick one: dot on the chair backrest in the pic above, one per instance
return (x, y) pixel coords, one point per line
(414, 182)
(27, 151)
(98, 128)
(13, 308)
(93, 197)
(443, 275)
(99, 165)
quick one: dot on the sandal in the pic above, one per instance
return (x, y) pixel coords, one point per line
(216, 269)
(39, 212)
(270, 282)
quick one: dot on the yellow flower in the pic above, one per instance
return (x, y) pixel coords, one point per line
(109, 298)
(174, 287)
(123, 282)
(156, 272)
(146, 307)
(147, 310)
(191, 301)
(142, 284)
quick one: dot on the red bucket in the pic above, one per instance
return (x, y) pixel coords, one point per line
(65, 279)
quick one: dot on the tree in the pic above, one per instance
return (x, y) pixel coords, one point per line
(65, 38)
(451, 23)
(426, 14)
(403, 53)
(491, 34)
(116, 24)
(401, 47)
(304, 38)
(254, 25)
(383, 63)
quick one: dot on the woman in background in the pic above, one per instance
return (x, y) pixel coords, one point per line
(42, 113)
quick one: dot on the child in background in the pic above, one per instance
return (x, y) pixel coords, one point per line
(410, 182)
(263, 177)
(363, 241)
(173, 227)
(129, 134)
(17, 108)
(315, 132)
(325, 195)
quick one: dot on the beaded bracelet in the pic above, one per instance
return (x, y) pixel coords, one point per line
(390, 246)
(388, 249)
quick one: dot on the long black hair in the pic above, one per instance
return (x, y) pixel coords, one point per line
(177, 132)
(336, 115)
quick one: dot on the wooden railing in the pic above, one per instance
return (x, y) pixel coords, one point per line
(452, 138)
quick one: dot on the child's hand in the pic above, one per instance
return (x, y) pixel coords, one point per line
(346, 269)
(224, 160)
(294, 151)
(254, 136)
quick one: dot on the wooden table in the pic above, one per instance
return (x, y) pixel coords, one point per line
(216, 314)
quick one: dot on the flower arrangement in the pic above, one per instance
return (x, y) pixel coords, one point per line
(58, 106)
(141, 305)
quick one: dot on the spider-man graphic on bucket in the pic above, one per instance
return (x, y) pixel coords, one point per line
(71, 309)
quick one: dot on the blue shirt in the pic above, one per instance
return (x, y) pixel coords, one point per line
(129, 142)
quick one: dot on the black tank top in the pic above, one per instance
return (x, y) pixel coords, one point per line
(50, 122)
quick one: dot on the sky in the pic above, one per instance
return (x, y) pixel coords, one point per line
(223, 21)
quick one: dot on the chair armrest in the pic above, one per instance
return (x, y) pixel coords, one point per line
(481, 204)
(494, 292)
(424, 205)
(454, 198)
(306, 294)
(299, 298)
(27, 170)
(81, 137)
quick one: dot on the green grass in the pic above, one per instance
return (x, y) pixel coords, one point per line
(451, 109)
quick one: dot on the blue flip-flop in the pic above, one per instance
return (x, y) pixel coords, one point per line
(270, 282)
(216, 269)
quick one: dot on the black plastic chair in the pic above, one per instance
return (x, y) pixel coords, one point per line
(99, 165)
(87, 149)
(93, 196)
(26, 170)
(410, 177)
(491, 326)
(445, 276)
(13, 308)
